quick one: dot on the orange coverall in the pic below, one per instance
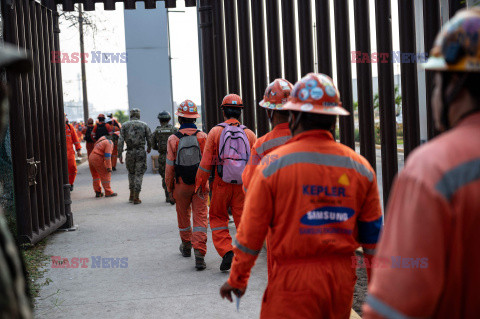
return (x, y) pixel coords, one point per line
(224, 195)
(99, 161)
(116, 126)
(185, 196)
(94, 131)
(72, 140)
(432, 232)
(318, 202)
(89, 145)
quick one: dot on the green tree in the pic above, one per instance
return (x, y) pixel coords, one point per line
(120, 116)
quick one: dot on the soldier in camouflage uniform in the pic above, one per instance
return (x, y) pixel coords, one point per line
(14, 301)
(159, 143)
(135, 134)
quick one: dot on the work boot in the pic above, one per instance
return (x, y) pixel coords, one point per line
(71, 188)
(136, 198)
(199, 260)
(167, 197)
(114, 169)
(111, 195)
(132, 196)
(227, 261)
(186, 248)
(98, 194)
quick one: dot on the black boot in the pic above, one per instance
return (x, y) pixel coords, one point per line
(71, 188)
(199, 260)
(227, 261)
(98, 194)
(186, 248)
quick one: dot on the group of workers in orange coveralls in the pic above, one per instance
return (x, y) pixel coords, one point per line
(101, 142)
(315, 201)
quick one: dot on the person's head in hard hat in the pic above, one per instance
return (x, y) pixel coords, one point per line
(275, 97)
(455, 58)
(164, 117)
(318, 202)
(90, 121)
(432, 213)
(232, 107)
(15, 302)
(101, 118)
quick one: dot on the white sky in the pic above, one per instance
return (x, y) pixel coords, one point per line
(107, 83)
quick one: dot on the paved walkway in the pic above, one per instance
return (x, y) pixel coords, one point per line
(158, 282)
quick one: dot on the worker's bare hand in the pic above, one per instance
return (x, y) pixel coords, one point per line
(79, 153)
(120, 159)
(109, 170)
(149, 150)
(226, 292)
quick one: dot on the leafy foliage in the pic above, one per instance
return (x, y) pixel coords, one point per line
(121, 116)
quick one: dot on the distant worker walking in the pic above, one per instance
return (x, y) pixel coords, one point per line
(135, 134)
(227, 151)
(72, 141)
(101, 128)
(116, 126)
(87, 136)
(185, 149)
(319, 202)
(100, 162)
(159, 143)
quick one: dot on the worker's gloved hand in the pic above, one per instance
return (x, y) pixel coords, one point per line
(120, 158)
(226, 291)
(109, 170)
(79, 153)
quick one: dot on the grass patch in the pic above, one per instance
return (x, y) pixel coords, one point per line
(34, 259)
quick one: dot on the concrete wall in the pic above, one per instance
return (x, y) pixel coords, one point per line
(148, 63)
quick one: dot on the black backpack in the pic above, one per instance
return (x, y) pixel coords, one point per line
(88, 135)
(101, 131)
(188, 158)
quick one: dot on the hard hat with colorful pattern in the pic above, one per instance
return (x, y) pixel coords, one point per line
(232, 100)
(457, 46)
(276, 94)
(187, 109)
(315, 93)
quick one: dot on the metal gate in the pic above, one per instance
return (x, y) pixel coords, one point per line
(42, 195)
(234, 71)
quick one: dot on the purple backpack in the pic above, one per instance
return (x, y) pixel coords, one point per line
(233, 153)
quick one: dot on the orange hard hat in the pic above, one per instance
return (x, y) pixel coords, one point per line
(232, 100)
(457, 47)
(187, 109)
(276, 94)
(101, 115)
(315, 93)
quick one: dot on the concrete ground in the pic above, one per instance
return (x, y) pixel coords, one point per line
(157, 282)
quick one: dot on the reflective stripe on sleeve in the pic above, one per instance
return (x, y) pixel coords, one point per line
(169, 162)
(200, 229)
(368, 251)
(385, 310)
(274, 142)
(246, 249)
(185, 229)
(203, 169)
(319, 159)
(108, 155)
(458, 177)
(219, 228)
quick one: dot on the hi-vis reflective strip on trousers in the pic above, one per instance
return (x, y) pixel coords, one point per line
(185, 229)
(385, 310)
(203, 169)
(200, 229)
(169, 162)
(458, 177)
(274, 142)
(319, 159)
(219, 228)
(246, 249)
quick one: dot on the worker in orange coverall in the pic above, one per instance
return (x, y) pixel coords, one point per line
(318, 202)
(184, 153)
(224, 195)
(87, 136)
(432, 232)
(72, 141)
(100, 162)
(116, 126)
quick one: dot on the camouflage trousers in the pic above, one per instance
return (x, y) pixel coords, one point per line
(161, 170)
(136, 162)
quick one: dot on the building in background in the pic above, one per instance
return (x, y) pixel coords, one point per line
(148, 63)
